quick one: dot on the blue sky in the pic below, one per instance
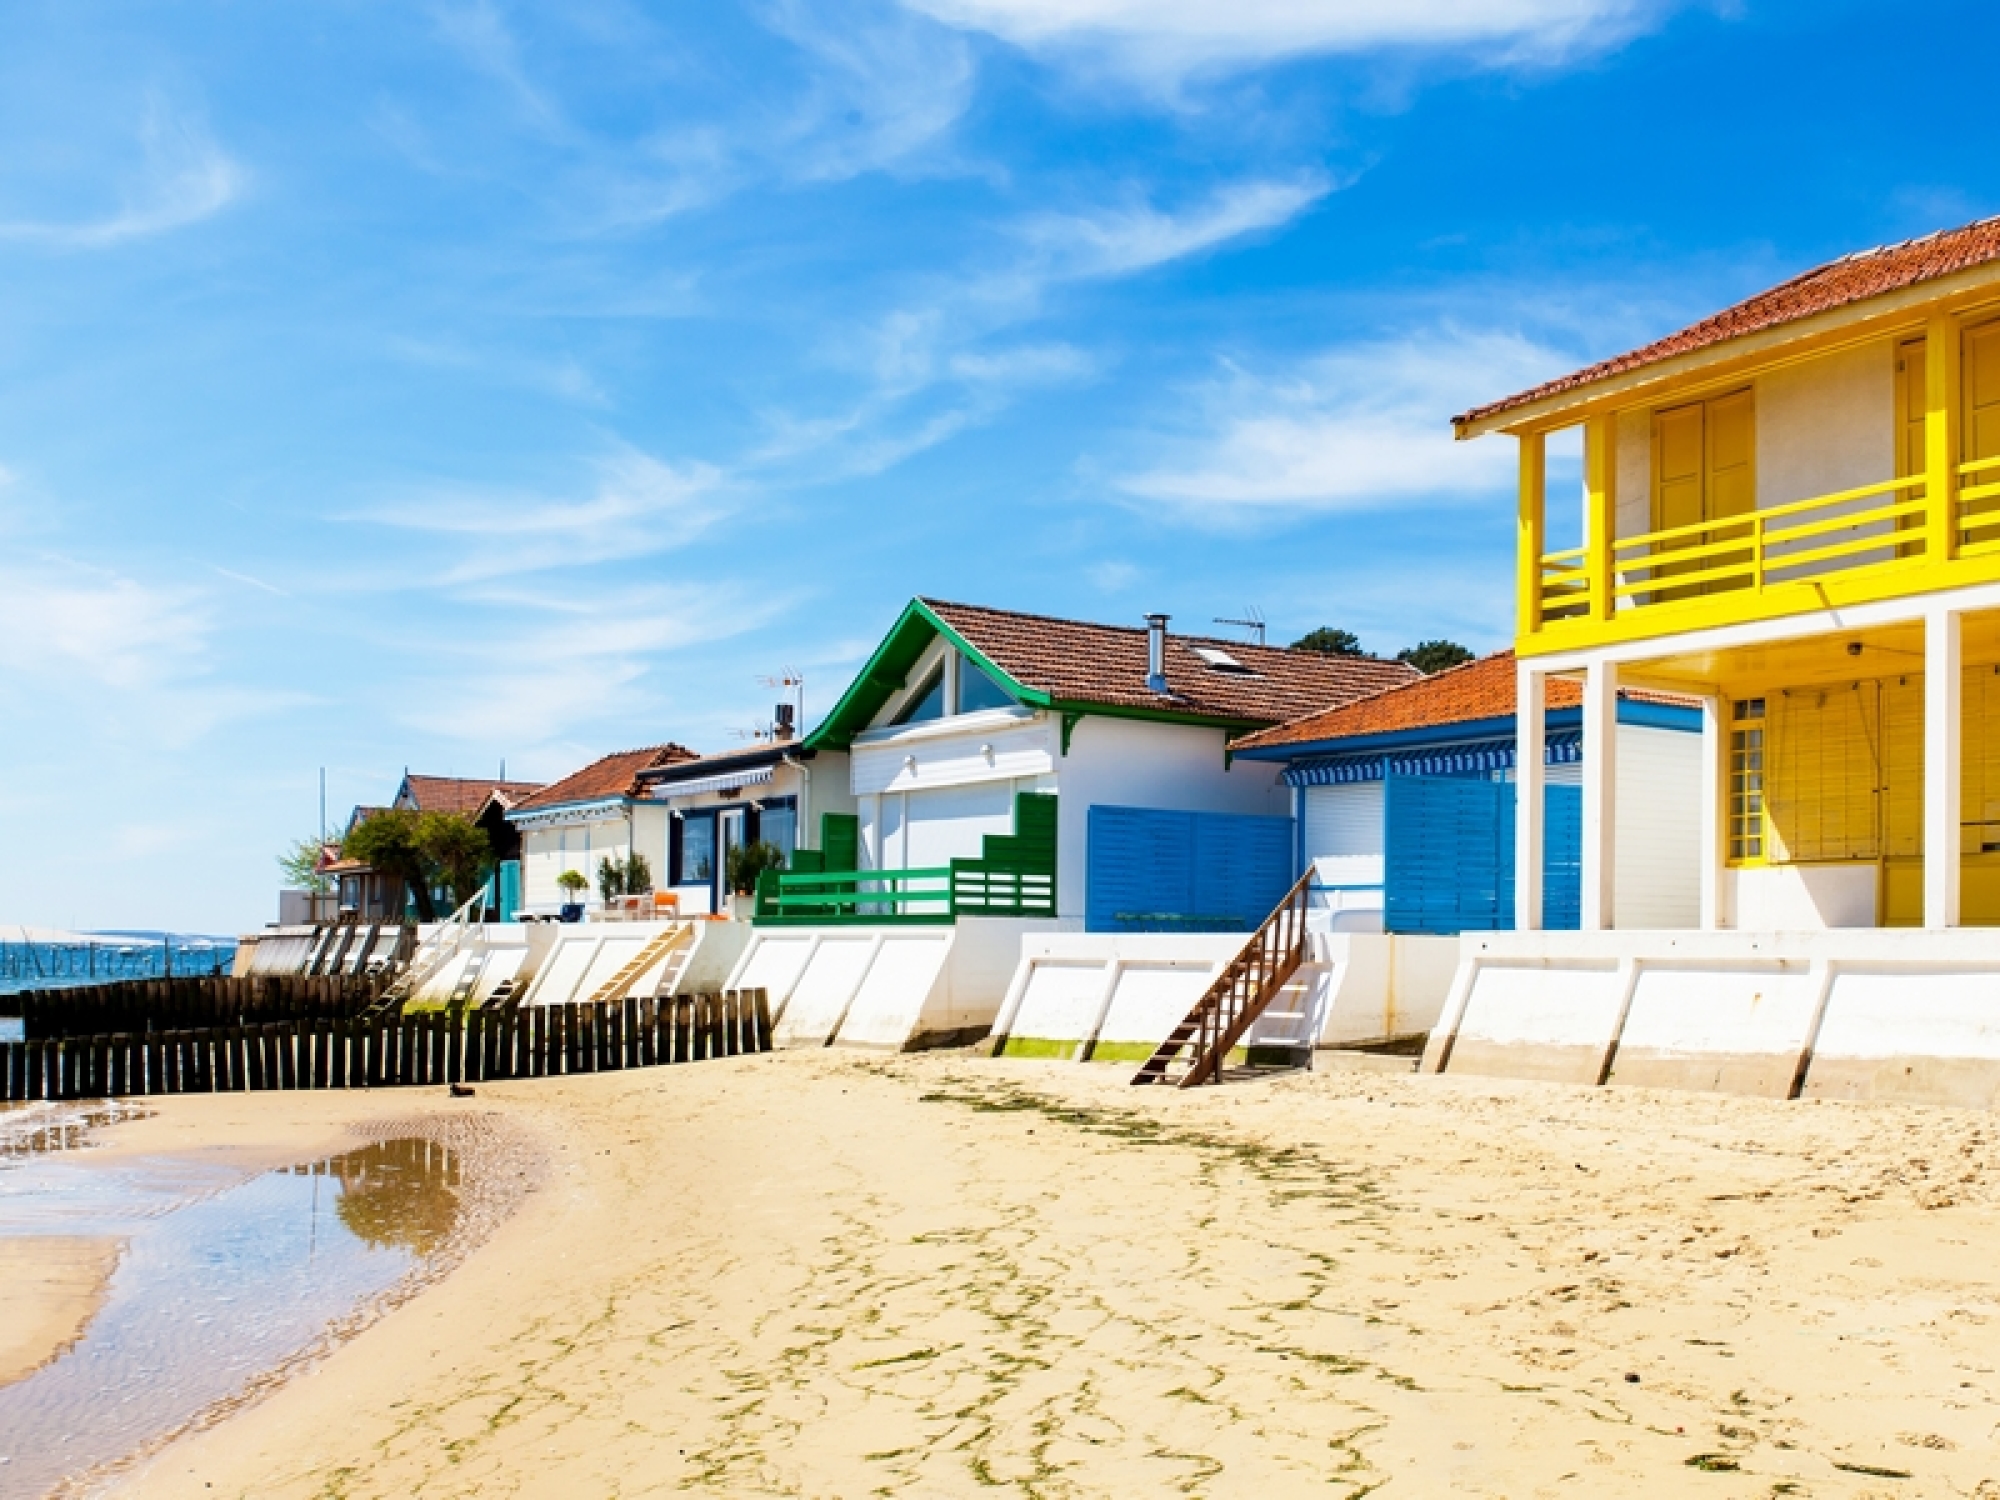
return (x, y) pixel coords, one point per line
(388, 385)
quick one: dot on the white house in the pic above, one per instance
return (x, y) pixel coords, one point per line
(1014, 773)
(587, 817)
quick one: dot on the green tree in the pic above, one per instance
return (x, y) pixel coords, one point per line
(573, 884)
(638, 874)
(610, 879)
(388, 843)
(1328, 641)
(300, 864)
(456, 851)
(1434, 656)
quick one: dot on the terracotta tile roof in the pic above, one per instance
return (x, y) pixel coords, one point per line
(1482, 689)
(1852, 278)
(1077, 662)
(456, 794)
(610, 776)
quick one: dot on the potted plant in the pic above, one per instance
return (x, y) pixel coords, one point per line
(746, 862)
(573, 885)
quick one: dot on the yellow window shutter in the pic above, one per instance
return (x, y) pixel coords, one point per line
(1732, 455)
(1903, 766)
(1677, 467)
(1981, 386)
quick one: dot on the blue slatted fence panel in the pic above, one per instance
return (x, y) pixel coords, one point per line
(1151, 869)
(1242, 867)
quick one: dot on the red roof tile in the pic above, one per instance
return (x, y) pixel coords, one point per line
(609, 776)
(1483, 689)
(456, 794)
(1852, 278)
(1077, 662)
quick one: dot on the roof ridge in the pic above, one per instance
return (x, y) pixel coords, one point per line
(1765, 310)
(1172, 635)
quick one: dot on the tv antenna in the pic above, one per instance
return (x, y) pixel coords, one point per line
(1254, 621)
(790, 678)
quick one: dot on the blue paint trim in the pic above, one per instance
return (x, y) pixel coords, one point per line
(1659, 716)
(1480, 759)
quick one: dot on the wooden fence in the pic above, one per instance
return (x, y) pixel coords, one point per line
(372, 1050)
(146, 1005)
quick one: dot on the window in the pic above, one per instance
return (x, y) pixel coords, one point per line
(977, 690)
(1746, 782)
(697, 849)
(779, 824)
(927, 702)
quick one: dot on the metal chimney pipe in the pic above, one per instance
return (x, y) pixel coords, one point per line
(1156, 653)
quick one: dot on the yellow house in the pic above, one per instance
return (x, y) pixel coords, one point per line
(1791, 510)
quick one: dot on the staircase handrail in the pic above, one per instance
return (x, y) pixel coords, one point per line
(435, 951)
(1241, 993)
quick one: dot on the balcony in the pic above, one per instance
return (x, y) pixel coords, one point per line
(1875, 541)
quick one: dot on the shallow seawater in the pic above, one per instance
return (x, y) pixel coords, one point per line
(224, 1277)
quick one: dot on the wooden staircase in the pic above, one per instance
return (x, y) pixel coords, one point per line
(676, 941)
(1240, 994)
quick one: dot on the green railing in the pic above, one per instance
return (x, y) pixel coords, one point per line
(1014, 876)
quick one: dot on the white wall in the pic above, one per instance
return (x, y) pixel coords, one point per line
(548, 850)
(1134, 763)
(1800, 898)
(1827, 424)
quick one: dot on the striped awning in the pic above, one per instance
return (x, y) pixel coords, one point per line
(728, 781)
(1474, 758)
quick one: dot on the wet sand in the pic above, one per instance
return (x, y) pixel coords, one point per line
(50, 1288)
(827, 1274)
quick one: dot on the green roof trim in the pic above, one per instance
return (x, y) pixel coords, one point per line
(888, 670)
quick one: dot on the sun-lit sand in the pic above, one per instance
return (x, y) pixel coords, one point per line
(835, 1275)
(51, 1286)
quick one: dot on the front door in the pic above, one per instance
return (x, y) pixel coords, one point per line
(730, 831)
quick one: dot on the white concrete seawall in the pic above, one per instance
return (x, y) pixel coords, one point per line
(1848, 1014)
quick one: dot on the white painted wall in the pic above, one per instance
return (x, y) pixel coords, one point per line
(997, 744)
(1800, 898)
(1133, 763)
(548, 850)
(1826, 424)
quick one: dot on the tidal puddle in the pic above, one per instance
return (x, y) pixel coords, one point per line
(224, 1280)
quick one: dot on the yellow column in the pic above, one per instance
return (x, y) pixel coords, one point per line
(1600, 520)
(1941, 407)
(1529, 545)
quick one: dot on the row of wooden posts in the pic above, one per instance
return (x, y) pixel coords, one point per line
(191, 1004)
(434, 1047)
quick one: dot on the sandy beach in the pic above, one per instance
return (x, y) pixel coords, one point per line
(55, 1285)
(833, 1274)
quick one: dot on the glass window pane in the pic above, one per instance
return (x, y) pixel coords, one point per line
(976, 690)
(928, 702)
(697, 849)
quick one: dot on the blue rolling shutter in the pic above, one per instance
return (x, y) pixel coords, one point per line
(1562, 859)
(1450, 865)
(1154, 870)
(1446, 837)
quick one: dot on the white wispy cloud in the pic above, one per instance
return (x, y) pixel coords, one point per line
(959, 348)
(1358, 428)
(183, 177)
(566, 661)
(1167, 39)
(636, 505)
(1136, 236)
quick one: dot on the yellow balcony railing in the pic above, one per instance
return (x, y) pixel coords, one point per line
(1873, 526)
